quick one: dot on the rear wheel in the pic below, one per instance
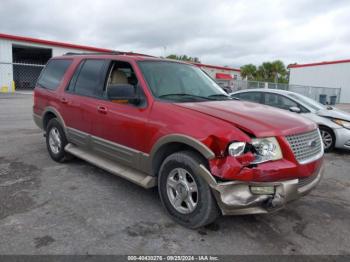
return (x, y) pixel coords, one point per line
(185, 195)
(56, 141)
(328, 138)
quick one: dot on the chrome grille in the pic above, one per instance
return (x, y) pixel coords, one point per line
(306, 146)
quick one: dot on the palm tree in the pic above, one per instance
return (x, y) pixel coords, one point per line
(279, 71)
(272, 72)
(249, 72)
(265, 72)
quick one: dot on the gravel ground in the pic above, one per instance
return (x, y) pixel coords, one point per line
(76, 208)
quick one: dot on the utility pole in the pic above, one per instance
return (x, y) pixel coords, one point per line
(164, 48)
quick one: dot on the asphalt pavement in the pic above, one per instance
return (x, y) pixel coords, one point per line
(76, 208)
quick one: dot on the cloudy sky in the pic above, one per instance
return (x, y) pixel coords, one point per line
(219, 32)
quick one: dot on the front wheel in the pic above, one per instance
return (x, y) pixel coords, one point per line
(328, 138)
(185, 195)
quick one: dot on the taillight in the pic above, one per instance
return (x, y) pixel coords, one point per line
(34, 98)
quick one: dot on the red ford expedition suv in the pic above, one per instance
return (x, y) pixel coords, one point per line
(165, 123)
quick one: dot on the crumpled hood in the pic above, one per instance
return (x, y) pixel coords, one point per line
(257, 119)
(334, 113)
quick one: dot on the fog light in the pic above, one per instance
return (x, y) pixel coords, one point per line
(262, 190)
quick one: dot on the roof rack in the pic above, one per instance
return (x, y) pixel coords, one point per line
(107, 53)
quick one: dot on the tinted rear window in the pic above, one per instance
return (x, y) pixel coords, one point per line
(53, 73)
(90, 78)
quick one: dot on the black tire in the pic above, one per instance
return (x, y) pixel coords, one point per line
(206, 209)
(60, 155)
(329, 133)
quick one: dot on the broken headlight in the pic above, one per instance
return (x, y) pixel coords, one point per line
(236, 148)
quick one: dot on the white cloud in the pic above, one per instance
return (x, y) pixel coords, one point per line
(219, 32)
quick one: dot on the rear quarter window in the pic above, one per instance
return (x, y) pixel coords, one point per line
(53, 73)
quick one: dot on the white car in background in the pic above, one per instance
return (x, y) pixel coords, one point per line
(334, 124)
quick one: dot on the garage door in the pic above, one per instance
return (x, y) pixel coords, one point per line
(27, 64)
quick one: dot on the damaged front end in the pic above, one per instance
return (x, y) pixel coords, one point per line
(255, 177)
(242, 197)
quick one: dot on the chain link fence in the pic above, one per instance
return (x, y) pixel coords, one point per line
(325, 95)
(22, 76)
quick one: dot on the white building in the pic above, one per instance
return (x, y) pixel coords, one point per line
(22, 59)
(333, 74)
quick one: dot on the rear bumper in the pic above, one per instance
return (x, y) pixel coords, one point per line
(38, 120)
(236, 197)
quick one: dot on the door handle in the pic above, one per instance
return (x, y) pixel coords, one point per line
(102, 109)
(64, 100)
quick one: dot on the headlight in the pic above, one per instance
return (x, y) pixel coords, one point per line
(236, 148)
(266, 149)
(342, 123)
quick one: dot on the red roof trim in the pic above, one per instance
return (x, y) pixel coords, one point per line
(223, 76)
(217, 67)
(320, 63)
(53, 43)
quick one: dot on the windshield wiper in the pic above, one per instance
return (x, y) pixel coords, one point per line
(220, 95)
(184, 94)
(210, 97)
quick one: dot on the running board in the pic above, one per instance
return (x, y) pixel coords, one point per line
(128, 173)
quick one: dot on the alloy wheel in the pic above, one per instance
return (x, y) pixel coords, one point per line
(327, 139)
(55, 140)
(182, 190)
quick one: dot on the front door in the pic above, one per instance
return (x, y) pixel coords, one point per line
(120, 129)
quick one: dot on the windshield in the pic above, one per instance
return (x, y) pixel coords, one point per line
(308, 101)
(180, 82)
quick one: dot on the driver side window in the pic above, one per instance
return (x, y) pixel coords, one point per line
(250, 96)
(122, 86)
(120, 73)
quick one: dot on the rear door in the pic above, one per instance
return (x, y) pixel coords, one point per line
(80, 98)
(279, 101)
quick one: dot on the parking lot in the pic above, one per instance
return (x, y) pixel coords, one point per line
(76, 208)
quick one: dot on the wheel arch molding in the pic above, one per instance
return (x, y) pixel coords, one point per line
(169, 144)
(47, 115)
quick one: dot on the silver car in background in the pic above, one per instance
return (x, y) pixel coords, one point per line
(334, 124)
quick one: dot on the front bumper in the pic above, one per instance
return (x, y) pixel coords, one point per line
(236, 198)
(342, 138)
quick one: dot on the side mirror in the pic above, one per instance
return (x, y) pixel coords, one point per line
(295, 109)
(123, 92)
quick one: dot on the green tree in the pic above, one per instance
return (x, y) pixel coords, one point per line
(274, 71)
(249, 72)
(279, 71)
(183, 58)
(265, 72)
